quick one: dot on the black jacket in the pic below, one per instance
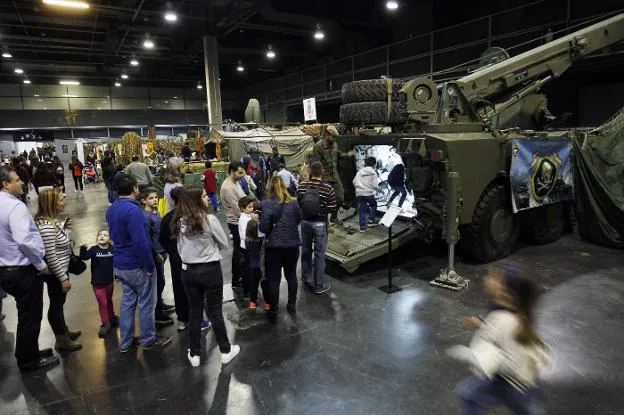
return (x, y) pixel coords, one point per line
(280, 223)
(167, 241)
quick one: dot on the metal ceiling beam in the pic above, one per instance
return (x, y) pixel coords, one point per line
(19, 15)
(134, 16)
(276, 29)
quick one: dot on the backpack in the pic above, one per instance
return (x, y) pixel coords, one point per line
(310, 204)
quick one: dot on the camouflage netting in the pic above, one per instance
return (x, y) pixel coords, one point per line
(600, 183)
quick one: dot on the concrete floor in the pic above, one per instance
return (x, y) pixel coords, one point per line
(356, 351)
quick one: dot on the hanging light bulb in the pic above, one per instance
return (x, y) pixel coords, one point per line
(26, 81)
(117, 84)
(270, 53)
(19, 71)
(240, 67)
(148, 43)
(134, 61)
(319, 35)
(124, 76)
(392, 5)
(170, 16)
(199, 85)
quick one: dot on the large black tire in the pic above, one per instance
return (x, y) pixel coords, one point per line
(372, 90)
(543, 225)
(493, 231)
(372, 113)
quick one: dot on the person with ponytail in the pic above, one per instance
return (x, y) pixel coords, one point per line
(506, 354)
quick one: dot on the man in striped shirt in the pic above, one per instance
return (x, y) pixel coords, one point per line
(317, 200)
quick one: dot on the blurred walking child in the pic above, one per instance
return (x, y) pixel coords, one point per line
(149, 200)
(101, 256)
(505, 354)
(210, 185)
(253, 243)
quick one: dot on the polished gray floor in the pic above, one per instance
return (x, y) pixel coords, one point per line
(355, 351)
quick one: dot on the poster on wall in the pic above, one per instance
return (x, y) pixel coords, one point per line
(541, 173)
(309, 109)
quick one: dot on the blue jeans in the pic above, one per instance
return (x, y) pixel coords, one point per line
(109, 187)
(367, 206)
(398, 189)
(313, 239)
(213, 199)
(137, 288)
(476, 392)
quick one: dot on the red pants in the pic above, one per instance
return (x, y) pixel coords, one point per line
(104, 296)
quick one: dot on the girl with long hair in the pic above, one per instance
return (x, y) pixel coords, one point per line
(506, 354)
(280, 221)
(199, 238)
(174, 174)
(57, 242)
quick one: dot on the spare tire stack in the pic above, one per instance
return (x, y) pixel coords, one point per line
(366, 103)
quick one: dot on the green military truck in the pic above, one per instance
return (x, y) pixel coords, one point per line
(465, 145)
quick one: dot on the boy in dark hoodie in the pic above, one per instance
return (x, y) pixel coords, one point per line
(396, 180)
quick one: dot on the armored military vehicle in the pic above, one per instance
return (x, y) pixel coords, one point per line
(458, 141)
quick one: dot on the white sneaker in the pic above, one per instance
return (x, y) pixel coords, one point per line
(182, 325)
(227, 357)
(194, 360)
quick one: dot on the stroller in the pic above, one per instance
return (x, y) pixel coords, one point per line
(90, 174)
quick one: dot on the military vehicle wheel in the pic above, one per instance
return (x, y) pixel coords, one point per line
(543, 225)
(493, 231)
(372, 90)
(372, 113)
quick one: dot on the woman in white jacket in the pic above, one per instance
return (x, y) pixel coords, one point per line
(505, 354)
(366, 184)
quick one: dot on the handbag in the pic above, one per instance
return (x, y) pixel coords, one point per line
(76, 265)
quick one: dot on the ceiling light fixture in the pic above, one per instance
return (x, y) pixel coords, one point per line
(36, 95)
(270, 53)
(26, 81)
(99, 108)
(64, 82)
(148, 43)
(124, 76)
(6, 55)
(392, 5)
(117, 84)
(134, 61)
(319, 35)
(199, 85)
(67, 3)
(240, 67)
(19, 71)
(170, 16)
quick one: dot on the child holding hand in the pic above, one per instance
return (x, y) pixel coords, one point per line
(101, 256)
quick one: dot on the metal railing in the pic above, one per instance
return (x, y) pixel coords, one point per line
(433, 54)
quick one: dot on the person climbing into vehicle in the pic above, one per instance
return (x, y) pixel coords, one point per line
(398, 184)
(326, 151)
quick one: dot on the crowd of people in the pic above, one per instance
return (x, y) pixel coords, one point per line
(269, 236)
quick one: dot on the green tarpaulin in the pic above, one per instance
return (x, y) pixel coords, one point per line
(600, 183)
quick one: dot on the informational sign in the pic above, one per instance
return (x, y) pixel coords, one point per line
(390, 216)
(541, 173)
(33, 135)
(309, 109)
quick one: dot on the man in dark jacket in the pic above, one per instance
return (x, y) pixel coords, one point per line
(108, 171)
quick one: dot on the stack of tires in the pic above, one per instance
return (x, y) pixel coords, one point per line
(366, 103)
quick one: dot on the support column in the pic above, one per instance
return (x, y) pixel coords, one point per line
(213, 86)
